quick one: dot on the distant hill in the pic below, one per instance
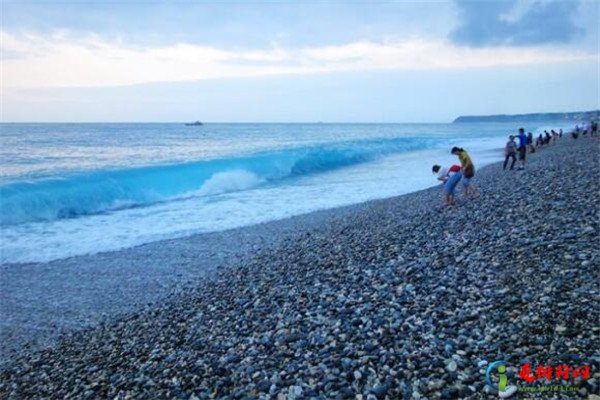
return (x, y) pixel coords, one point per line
(564, 116)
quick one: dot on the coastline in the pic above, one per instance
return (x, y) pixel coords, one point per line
(83, 291)
(293, 287)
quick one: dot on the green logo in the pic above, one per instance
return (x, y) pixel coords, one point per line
(501, 367)
(503, 378)
(504, 389)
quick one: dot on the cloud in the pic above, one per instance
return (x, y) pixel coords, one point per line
(516, 22)
(60, 60)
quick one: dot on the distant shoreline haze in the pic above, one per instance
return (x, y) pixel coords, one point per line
(559, 116)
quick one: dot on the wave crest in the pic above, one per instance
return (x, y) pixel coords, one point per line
(109, 190)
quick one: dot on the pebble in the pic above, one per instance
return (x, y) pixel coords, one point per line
(379, 390)
(451, 366)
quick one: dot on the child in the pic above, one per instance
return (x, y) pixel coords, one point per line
(450, 178)
(510, 151)
(444, 173)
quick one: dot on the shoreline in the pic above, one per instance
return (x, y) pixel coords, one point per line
(310, 256)
(91, 238)
(99, 287)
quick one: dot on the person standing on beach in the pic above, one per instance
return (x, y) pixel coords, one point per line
(530, 142)
(522, 148)
(467, 169)
(450, 178)
(510, 151)
(594, 128)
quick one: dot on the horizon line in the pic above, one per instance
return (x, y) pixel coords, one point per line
(305, 122)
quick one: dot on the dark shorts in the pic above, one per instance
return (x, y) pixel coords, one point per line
(522, 153)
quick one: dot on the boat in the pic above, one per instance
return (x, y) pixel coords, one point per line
(197, 123)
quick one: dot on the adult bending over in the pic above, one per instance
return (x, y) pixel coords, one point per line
(467, 169)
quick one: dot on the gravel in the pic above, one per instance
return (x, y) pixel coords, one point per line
(80, 292)
(396, 298)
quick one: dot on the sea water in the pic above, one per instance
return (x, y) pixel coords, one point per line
(72, 189)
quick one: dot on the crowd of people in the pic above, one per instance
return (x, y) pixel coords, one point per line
(584, 128)
(526, 145)
(515, 151)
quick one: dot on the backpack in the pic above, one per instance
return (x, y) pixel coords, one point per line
(511, 147)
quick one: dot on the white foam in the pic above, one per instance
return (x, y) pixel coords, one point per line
(229, 181)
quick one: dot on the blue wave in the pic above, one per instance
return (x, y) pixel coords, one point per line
(108, 190)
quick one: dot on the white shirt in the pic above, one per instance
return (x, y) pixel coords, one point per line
(443, 172)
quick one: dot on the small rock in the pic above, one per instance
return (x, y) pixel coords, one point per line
(451, 366)
(560, 329)
(379, 390)
(264, 386)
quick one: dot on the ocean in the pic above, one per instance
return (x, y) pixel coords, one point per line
(71, 189)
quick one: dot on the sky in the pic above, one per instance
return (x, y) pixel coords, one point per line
(292, 61)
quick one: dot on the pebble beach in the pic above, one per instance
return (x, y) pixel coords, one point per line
(389, 299)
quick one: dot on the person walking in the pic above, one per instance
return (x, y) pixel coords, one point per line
(510, 151)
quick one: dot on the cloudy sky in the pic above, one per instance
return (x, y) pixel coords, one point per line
(343, 61)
